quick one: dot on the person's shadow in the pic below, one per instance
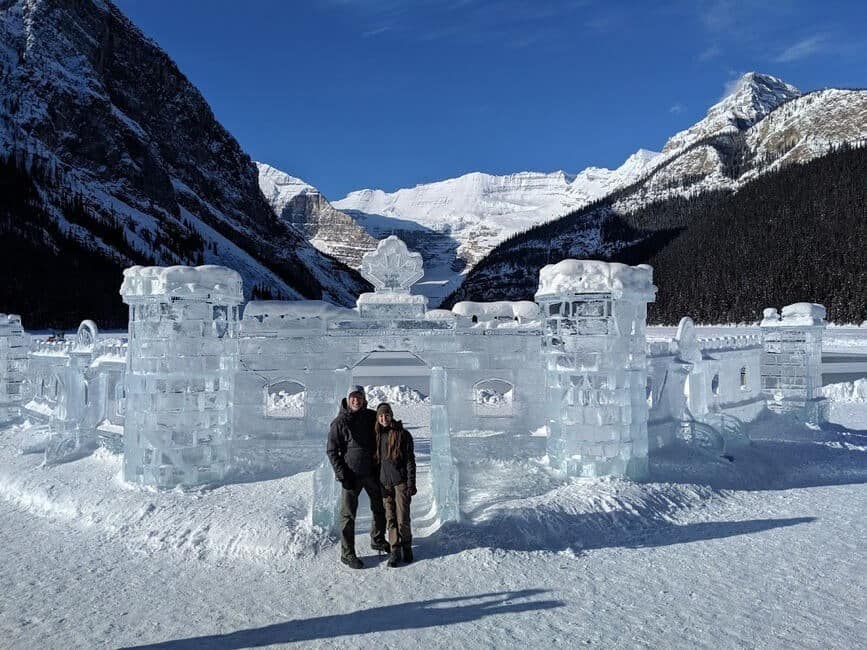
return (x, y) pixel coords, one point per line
(401, 616)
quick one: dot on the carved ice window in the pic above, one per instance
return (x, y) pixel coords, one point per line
(286, 399)
(493, 398)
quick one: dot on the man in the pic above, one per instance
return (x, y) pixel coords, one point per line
(351, 450)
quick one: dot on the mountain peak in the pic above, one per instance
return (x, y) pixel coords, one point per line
(279, 187)
(755, 95)
(748, 100)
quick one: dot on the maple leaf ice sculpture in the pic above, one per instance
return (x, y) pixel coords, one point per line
(391, 267)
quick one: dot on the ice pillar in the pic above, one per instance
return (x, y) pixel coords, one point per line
(444, 472)
(183, 352)
(792, 361)
(596, 366)
(13, 359)
(326, 490)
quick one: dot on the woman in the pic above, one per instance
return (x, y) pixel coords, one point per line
(396, 457)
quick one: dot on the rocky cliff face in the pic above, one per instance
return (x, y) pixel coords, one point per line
(304, 208)
(99, 106)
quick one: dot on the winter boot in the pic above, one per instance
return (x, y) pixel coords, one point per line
(352, 562)
(394, 558)
(407, 553)
(382, 547)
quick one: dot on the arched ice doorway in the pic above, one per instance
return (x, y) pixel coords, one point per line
(403, 379)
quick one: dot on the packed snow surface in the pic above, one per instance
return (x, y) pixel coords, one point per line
(799, 314)
(274, 312)
(589, 276)
(285, 404)
(847, 391)
(162, 280)
(503, 309)
(393, 395)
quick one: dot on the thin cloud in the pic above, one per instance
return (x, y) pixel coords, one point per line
(376, 32)
(677, 108)
(712, 52)
(718, 15)
(802, 49)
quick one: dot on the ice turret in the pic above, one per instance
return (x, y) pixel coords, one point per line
(596, 368)
(183, 353)
(792, 360)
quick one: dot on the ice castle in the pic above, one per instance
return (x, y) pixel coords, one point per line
(199, 382)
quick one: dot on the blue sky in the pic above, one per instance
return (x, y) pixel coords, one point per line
(349, 94)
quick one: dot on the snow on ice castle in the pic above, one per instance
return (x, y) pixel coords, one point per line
(199, 390)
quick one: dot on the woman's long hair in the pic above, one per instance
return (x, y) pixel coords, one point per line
(395, 435)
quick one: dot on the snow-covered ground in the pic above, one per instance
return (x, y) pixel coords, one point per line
(767, 551)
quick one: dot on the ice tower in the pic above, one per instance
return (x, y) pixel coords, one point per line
(183, 353)
(596, 365)
(13, 359)
(792, 361)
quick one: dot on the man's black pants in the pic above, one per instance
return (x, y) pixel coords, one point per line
(349, 508)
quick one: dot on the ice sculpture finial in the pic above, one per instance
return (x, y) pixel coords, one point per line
(391, 267)
(87, 333)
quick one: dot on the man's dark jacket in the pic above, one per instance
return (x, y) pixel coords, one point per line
(352, 443)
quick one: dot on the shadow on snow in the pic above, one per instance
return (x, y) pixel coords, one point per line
(389, 618)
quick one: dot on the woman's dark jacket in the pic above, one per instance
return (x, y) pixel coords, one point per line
(401, 470)
(352, 443)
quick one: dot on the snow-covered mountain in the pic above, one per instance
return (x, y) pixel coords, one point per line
(751, 98)
(304, 208)
(477, 211)
(762, 124)
(799, 130)
(95, 110)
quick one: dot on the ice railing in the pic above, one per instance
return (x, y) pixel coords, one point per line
(667, 347)
(109, 348)
(51, 348)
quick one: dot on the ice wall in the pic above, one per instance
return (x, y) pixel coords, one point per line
(792, 360)
(183, 354)
(596, 365)
(13, 362)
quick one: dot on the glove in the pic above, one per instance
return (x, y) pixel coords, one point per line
(347, 483)
(412, 490)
